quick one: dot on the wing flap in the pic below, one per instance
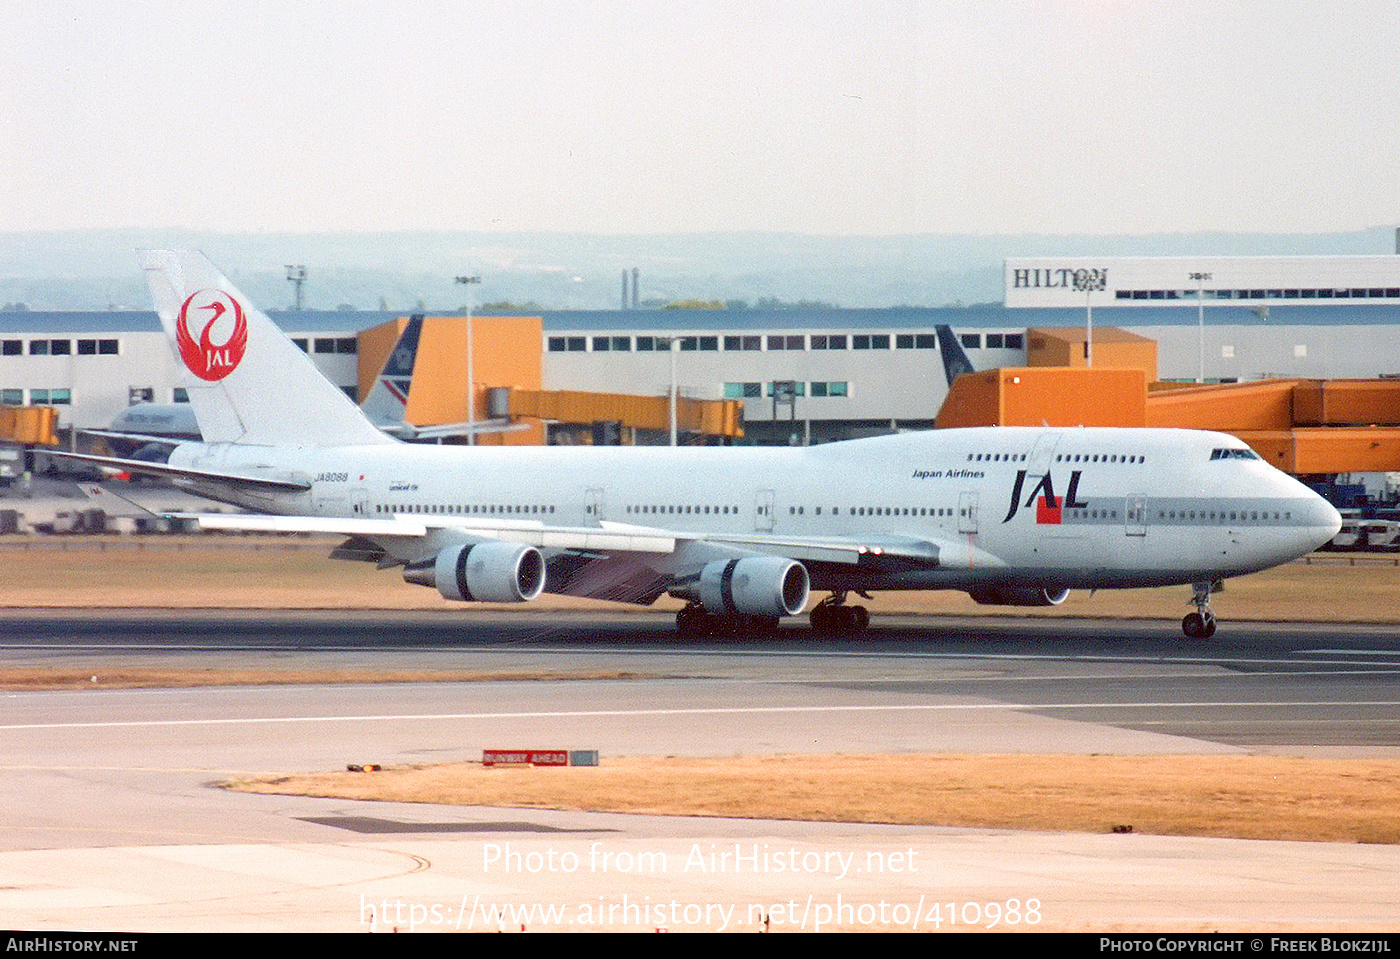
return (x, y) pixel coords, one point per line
(835, 549)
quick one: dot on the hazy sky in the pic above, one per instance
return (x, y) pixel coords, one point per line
(613, 116)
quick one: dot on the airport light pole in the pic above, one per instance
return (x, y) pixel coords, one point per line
(1088, 329)
(675, 346)
(469, 281)
(672, 344)
(296, 275)
(1089, 281)
(1200, 279)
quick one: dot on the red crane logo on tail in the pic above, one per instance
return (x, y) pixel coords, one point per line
(216, 315)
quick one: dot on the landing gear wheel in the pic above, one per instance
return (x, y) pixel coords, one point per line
(1201, 623)
(860, 618)
(694, 622)
(755, 625)
(831, 615)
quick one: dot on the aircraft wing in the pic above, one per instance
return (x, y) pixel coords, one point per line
(606, 537)
(614, 561)
(589, 538)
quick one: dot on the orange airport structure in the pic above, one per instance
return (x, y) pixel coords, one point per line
(1046, 396)
(508, 354)
(1304, 427)
(1112, 347)
(29, 425)
(711, 418)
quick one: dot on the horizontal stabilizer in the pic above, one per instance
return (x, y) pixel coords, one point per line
(145, 468)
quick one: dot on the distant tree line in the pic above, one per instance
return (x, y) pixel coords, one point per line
(508, 306)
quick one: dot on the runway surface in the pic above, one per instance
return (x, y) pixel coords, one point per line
(110, 823)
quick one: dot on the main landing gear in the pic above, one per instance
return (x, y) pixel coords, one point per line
(832, 615)
(1201, 623)
(693, 621)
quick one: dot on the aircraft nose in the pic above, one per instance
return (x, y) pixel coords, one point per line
(1322, 517)
(1334, 521)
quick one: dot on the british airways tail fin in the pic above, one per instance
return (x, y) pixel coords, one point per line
(248, 382)
(955, 361)
(388, 397)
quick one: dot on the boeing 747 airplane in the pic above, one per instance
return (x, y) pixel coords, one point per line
(1013, 516)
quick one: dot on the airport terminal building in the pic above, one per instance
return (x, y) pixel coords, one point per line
(812, 375)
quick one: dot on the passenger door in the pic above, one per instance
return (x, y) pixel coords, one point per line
(763, 511)
(967, 513)
(1135, 516)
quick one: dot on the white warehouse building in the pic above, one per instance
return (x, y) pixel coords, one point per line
(847, 372)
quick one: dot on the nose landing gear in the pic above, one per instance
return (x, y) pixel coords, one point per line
(1201, 623)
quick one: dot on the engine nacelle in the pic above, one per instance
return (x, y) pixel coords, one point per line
(755, 586)
(1018, 596)
(492, 572)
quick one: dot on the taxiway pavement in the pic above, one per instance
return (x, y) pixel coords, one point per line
(111, 823)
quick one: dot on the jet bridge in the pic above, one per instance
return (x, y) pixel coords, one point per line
(1303, 427)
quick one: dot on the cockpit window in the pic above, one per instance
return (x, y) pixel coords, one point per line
(1224, 454)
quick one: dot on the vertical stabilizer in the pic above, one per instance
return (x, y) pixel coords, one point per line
(388, 397)
(248, 382)
(955, 361)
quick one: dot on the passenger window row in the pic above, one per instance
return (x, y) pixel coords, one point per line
(685, 509)
(1224, 516)
(1060, 458)
(1099, 458)
(461, 509)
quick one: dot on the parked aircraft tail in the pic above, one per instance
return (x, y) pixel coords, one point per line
(248, 382)
(388, 397)
(955, 361)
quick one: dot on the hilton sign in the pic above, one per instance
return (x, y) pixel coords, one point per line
(1064, 278)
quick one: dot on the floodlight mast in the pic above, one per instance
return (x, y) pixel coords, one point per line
(469, 281)
(1089, 281)
(297, 276)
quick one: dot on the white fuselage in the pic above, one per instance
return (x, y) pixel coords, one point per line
(1092, 507)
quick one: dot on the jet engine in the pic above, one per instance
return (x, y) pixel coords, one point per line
(754, 586)
(1018, 596)
(492, 572)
